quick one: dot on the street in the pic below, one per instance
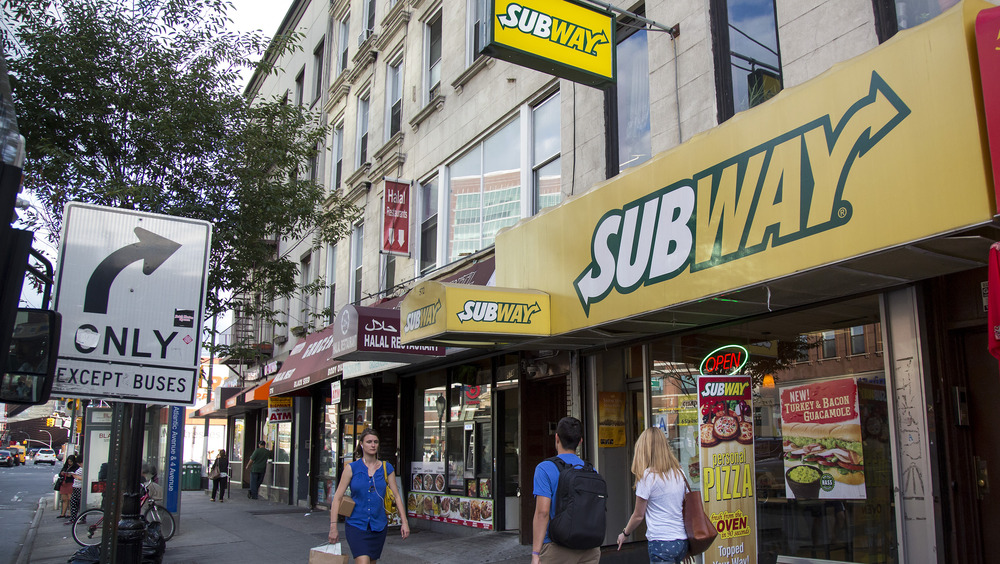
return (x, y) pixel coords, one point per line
(20, 489)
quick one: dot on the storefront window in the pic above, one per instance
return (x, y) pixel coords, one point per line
(236, 447)
(328, 456)
(470, 391)
(283, 442)
(829, 417)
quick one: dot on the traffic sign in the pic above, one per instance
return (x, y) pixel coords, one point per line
(131, 290)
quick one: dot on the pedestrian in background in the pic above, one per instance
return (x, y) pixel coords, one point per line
(369, 478)
(74, 502)
(257, 465)
(659, 498)
(66, 487)
(220, 473)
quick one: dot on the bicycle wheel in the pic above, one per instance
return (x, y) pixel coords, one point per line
(88, 527)
(167, 523)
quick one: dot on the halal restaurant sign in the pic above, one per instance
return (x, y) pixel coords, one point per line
(557, 37)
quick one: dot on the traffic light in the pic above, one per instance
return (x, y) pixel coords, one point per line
(50, 422)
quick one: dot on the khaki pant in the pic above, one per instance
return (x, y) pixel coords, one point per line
(552, 553)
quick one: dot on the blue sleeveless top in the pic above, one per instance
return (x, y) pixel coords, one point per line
(368, 494)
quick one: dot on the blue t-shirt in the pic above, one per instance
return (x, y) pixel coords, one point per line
(547, 481)
(369, 508)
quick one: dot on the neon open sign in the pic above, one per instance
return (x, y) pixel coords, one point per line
(728, 359)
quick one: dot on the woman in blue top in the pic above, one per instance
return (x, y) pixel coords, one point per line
(366, 527)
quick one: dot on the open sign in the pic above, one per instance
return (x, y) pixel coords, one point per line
(728, 359)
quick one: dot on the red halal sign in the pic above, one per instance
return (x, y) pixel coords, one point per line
(396, 218)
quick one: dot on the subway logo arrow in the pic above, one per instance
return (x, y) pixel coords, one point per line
(783, 190)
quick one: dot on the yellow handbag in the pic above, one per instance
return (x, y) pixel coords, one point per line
(390, 500)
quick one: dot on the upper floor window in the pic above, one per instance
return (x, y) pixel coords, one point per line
(318, 71)
(432, 44)
(546, 164)
(305, 278)
(300, 84)
(428, 225)
(369, 21)
(892, 16)
(343, 34)
(634, 144)
(357, 254)
(337, 150)
(485, 191)
(829, 344)
(331, 281)
(393, 98)
(314, 163)
(747, 60)
(476, 34)
(858, 340)
(362, 129)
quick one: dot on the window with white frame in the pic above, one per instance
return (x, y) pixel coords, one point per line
(369, 21)
(300, 84)
(305, 278)
(362, 148)
(337, 150)
(331, 281)
(546, 164)
(634, 142)
(428, 225)
(432, 49)
(393, 98)
(357, 254)
(476, 33)
(343, 35)
(318, 71)
(485, 191)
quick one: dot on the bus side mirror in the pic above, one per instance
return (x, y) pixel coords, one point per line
(30, 364)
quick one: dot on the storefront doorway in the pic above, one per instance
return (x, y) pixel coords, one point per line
(544, 404)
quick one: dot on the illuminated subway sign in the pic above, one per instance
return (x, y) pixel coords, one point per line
(783, 190)
(558, 37)
(497, 312)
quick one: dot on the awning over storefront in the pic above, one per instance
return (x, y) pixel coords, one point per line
(463, 315)
(217, 407)
(309, 363)
(258, 393)
(372, 334)
(873, 175)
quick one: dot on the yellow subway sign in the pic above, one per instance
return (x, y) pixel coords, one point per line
(557, 37)
(462, 313)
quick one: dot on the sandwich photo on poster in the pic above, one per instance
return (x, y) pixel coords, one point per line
(821, 440)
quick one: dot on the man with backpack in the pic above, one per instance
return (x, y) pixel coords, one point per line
(570, 502)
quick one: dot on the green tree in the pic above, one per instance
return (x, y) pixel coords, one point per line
(138, 105)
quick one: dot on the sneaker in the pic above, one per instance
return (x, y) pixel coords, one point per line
(221, 501)
(213, 499)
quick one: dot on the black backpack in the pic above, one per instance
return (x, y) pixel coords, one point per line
(580, 506)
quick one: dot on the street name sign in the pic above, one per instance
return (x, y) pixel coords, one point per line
(131, 289)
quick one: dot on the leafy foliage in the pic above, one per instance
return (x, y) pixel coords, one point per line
(138, 105)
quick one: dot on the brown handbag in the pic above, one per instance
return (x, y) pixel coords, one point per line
(701, 532)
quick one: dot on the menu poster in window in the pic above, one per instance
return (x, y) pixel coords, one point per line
(821, 438)
(727, 466)
(611, 419)
(428, 500)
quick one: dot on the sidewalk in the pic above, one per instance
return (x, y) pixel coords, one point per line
(242, 531)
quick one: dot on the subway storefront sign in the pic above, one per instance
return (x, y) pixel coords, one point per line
(557, 37)
(460, 314)
(883, 150)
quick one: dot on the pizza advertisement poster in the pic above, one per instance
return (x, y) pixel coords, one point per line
(821, 440)
(727, 466)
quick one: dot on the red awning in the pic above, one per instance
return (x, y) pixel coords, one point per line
(309, 364)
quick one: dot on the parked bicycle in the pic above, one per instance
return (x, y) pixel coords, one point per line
(89, 525)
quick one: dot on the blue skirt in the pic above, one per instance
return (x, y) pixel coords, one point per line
(365, 542)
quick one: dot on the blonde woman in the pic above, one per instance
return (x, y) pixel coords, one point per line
(659, 498)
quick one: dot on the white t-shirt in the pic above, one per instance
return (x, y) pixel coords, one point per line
(664, 512)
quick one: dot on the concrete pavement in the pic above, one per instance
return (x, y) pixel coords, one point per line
(242, 531)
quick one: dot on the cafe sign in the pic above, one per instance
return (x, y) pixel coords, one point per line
(558, 37)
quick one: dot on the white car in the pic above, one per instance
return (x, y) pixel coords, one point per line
(46, 455)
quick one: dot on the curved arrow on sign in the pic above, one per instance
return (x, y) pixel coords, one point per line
(152, 249)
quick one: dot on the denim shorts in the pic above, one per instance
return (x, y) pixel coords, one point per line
(667, 551)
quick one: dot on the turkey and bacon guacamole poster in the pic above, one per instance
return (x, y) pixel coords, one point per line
(821, 440)
(727, 467)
